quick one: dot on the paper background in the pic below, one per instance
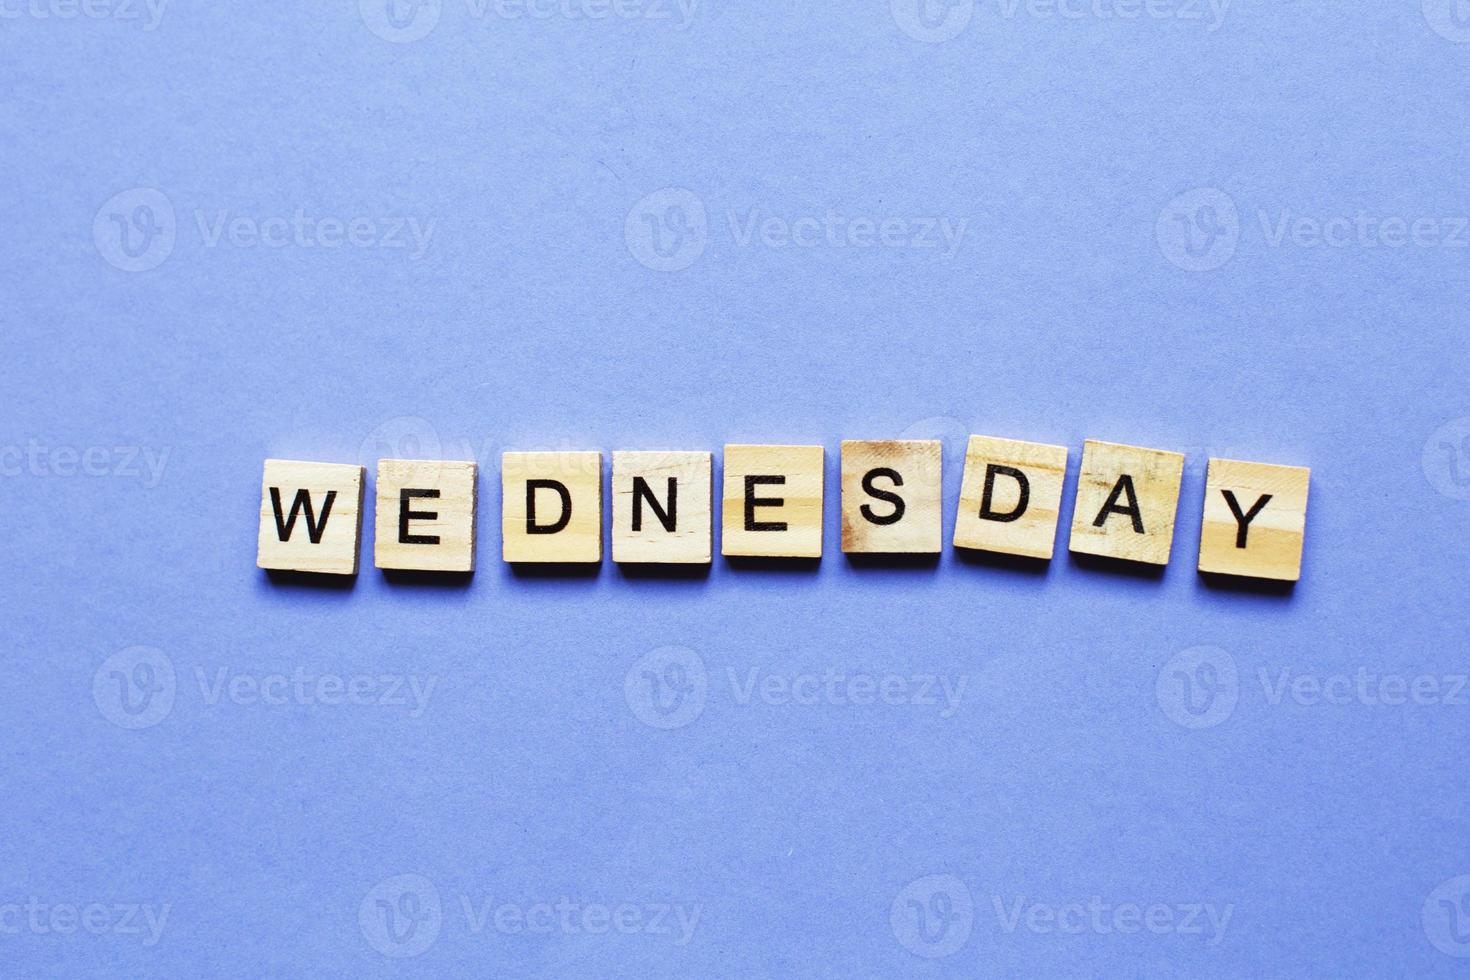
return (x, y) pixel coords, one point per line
(544, 314)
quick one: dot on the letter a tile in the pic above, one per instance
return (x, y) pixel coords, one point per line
(1127, 500)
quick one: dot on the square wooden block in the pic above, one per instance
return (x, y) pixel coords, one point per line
(1011, 497)
(1127, 500)
(662, 507)
(551, 507)
(310, 517)
(891, 497)
(1255, 520)
(772, 502)
(425, 518)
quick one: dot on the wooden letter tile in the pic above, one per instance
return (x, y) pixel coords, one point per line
(1011, 496)
(1255, 520)
(1127, 499)
(310, 517)
(773, 502)
(425, 515)
(551, 507)
(662, 507)
(891, 497)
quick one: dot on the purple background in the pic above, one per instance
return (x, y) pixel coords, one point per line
(1116, 189)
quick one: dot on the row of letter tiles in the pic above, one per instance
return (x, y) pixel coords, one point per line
(662, 507)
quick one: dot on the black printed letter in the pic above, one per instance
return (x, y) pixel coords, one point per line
(1244, 520)
(892, 498)
(668, 518)
(405, 515)
(314, 528)
(1122, 487)
(752, 502)
(988, 513)
(566, 506)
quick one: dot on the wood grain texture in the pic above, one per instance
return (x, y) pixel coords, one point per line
(791, 528)
(1117, 478)
(425, 533)
(908, 469)
(578, 540)
(1269, 546)
(321, 501)
(687, 507)
(997, 521)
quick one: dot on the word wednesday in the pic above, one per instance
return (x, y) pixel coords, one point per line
(662, 508)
